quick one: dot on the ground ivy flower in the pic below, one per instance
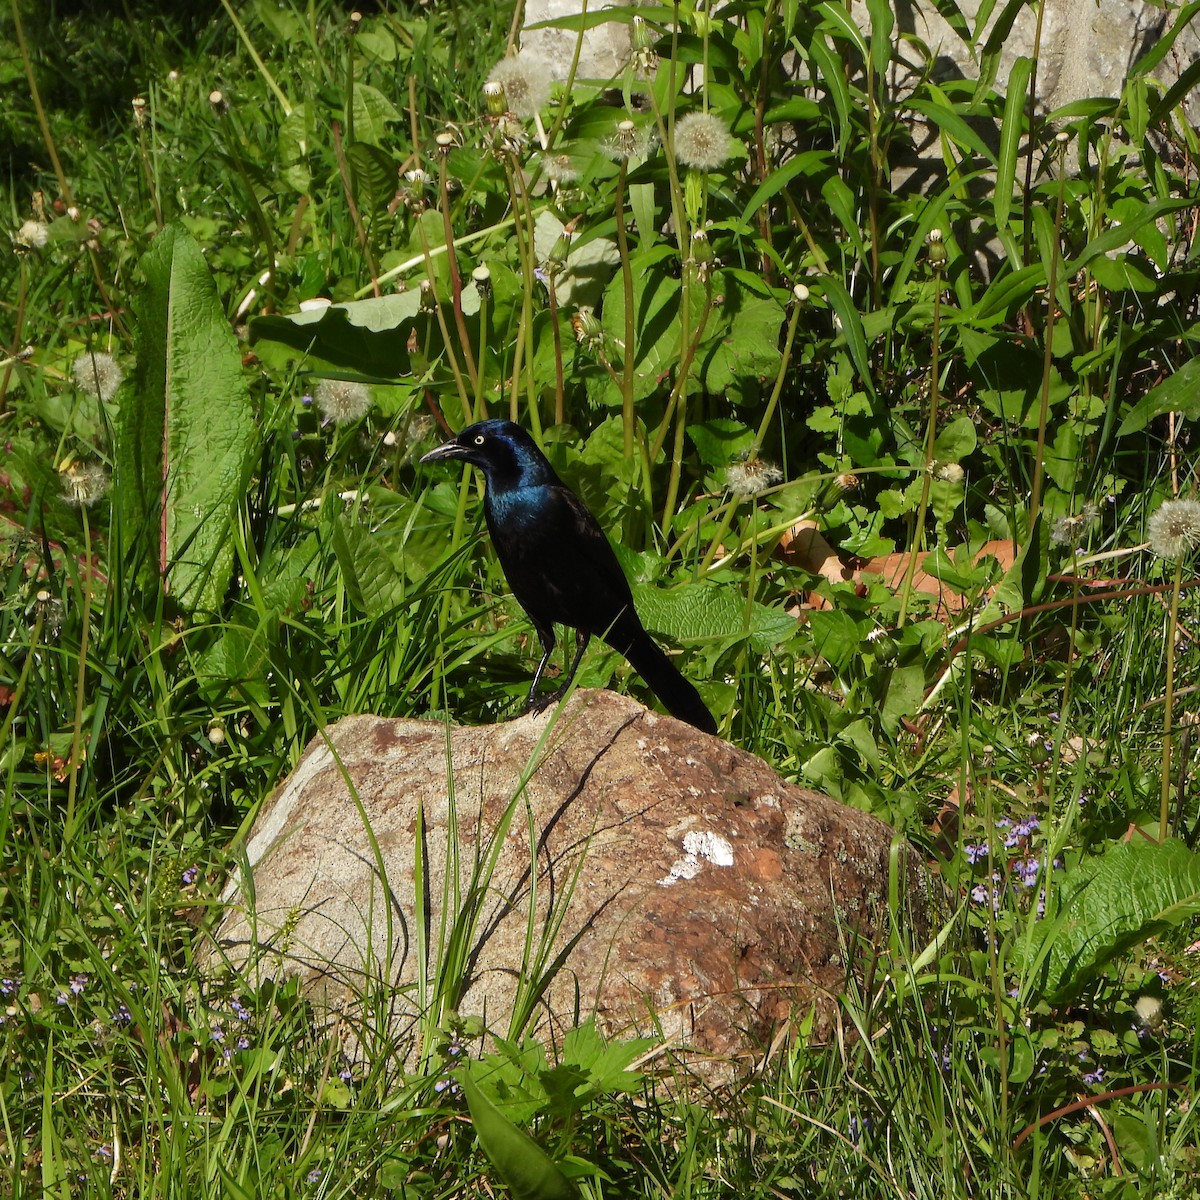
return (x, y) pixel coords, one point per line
(342, 400)
(1175, 528)
(97, 374)
(526, 81)
(702, 141)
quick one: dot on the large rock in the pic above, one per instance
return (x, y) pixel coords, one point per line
(680, 886)
(1086, 47)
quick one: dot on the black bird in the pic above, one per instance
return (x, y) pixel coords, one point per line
(559, 563)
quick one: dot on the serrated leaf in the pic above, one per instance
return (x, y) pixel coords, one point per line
(1108, 904)
(711, 612)
(186, 434)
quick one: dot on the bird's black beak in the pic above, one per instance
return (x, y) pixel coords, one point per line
(447, 450)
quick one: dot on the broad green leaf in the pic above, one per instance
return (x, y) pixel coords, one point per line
(720, 440)
(372, 111)
(956, 441)
(1011, 129)
(883, 21)
(1178, 393)
(524, 1166)
(588, 267)
(368, 337)
(710, 612)
(374, 176)
(1124, 273)
(851, 327)
(902, 695)
(186, 434)
(1107, 904)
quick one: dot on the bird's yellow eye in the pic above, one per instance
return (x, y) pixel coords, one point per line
(479, 439)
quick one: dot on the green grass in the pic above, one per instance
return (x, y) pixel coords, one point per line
(762, 330)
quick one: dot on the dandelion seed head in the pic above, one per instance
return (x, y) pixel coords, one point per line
(83, 483)
(97, 374)
(33, 235)
(559, 168)
(702, 141)
(526, 81)
(1175, 528)
(1149, 1012)
(949, 472)
(751, 477)
(342, 400)
(629, 140)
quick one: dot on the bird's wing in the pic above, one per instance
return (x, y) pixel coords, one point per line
(557, 560)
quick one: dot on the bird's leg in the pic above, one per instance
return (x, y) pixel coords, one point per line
(537, 703)
(581, 644)
(546, 637)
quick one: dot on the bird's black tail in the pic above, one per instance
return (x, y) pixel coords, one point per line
(647, 658)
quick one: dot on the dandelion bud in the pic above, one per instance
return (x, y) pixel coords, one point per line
(219, 104)
(847, 481)
(1039, 756)
(801, 293)
(937, 249)
(949, 472)
(73, 213)
(702, 252)
(494, 98)
(428, 303)
(482, 278)
(589, 333)
(882, 645)
(561, 248)
(642, 35)
(1062, 137)
(353, 23)
(216, 734)
(141, 117)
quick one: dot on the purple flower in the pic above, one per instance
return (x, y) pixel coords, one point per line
(1027, 869)
(8, 985)
(78, 983)
(62, 997)
(1094, 1076)
(122, 1016)
(314, 1176)
(189, 876)
(243, 1043)
(975, 852)
(240, 1010)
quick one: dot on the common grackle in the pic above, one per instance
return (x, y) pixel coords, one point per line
(559, 563)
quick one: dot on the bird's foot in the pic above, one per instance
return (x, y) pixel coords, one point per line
(543, 701)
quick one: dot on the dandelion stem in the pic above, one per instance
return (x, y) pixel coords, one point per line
(1164, 808)
(918, 541)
